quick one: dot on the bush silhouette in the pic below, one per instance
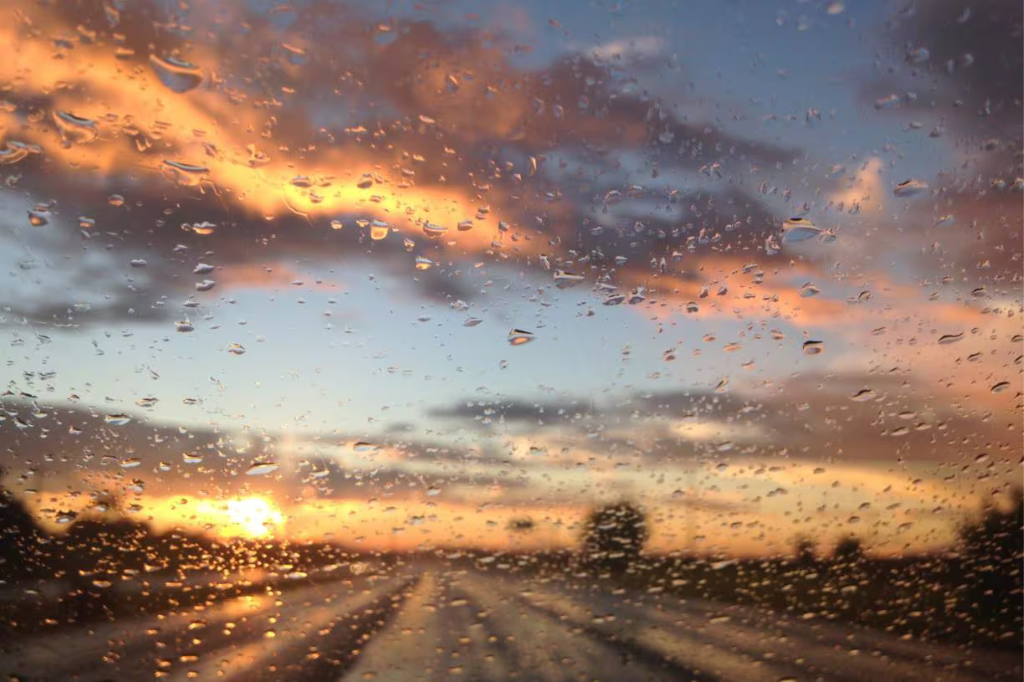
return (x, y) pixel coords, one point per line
(613, 537)
(18, 536)
(805, 550)
(849, 550)
(992, 554)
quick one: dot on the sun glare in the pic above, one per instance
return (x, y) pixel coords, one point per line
(253, 517)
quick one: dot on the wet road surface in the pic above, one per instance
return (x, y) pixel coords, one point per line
(445, 625)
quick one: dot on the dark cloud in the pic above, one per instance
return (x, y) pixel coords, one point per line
(960, 65)
(848, 418)
(448, 105)
(513, 410)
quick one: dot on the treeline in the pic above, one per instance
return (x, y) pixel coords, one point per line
(973, 595)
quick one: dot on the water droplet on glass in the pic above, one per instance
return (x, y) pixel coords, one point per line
(947, 339)
(204, 228)
(565, 279)
(115, 200)
(202, 269)
(814, 347)
(799, 229)
(75, 129)
(808, 290)
(518, 337)
(1001, 386)
(236, 349)
(205, 285)
(423, 263)
(261, 468)
(177, 74)
(38, 218)
(379, 230)
(433, 230)
(14, 151)
(117, 419)
(184, 327)
(184, 174)
(863, 395)
(909, 188)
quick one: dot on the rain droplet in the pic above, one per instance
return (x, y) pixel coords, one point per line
(814, 347)
(909, 188)
(138, 262)
(947, 339)
(205, 285)
(363, 446)
(863, 395)
(75, 129)
(423, 263)
(15, 151)
(799, 229)
(433, 230)
(115, 200)
(177, 74)
(236, 349)
(1001, 386)
(564, 278)
(184, 327)
(261, 468)
(184, 174)
(38, 218)
(117, 419)
(204, 228)
(202, 269)
(808, 290)
(472, 322)
(518, 337)
(379, 230)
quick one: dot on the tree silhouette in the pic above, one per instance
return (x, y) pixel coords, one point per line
(613, 537)
(18, 535)
(997, 535)
(805, 549)
(522, 525)
(849, 550)
(993, 550)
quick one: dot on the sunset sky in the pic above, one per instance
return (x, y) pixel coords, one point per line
(264, 259)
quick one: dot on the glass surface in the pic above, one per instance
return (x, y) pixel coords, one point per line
(587, 340)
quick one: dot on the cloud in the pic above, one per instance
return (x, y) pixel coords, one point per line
(640, 48)
(245, 152)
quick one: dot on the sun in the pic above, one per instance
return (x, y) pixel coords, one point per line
(253, 517)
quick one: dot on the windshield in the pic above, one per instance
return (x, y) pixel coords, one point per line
(589, 340)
